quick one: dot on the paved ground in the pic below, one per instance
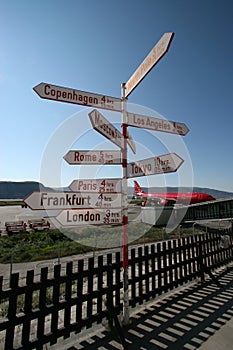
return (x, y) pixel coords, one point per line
(198, 316)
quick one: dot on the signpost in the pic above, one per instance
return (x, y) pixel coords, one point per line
(156, 124)
(72, 200)
(151, 59)
(102, 125)
(96, 185)
(89, 216)
(69, 95)
(131, 143)
(167, 163)
(81, 157)
(91, 194)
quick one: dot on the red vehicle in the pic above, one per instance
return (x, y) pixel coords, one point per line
(171, 198)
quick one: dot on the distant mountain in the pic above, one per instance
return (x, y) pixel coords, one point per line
(19, 190)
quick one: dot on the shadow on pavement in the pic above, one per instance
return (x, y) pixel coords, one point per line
(182, 320)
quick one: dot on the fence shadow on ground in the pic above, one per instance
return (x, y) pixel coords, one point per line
(183, 319)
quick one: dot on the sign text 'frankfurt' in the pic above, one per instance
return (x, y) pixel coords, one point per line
(72, 200)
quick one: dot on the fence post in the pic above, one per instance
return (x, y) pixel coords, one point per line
(12, 309)
(200, 260)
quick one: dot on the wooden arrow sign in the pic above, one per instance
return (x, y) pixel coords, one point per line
(167, 163)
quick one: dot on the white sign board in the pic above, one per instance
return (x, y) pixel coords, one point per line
(102, 125)
(72, 200)
(69, 95)
(131, 143)
(85, 157)
(90, 217)
(152, 58)
(97, 185)
(156, 124)
(167, 163)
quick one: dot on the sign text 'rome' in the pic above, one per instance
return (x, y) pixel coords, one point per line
(96, 157)
(167, 163)
(72, 200)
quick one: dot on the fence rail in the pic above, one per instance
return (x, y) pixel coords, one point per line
(42, 310)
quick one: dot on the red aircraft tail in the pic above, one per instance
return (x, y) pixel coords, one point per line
(137, 188)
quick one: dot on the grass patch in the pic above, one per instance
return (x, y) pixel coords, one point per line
(34, 246)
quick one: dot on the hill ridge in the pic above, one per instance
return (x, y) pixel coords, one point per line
(21, 189)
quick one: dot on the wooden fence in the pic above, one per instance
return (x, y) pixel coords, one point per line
(41, 310)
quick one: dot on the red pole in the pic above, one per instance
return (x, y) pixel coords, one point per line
(125, 213)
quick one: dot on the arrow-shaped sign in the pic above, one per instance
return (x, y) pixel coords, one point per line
(72, 200)
(156, 124)
(69, 95)
(167, 163)
(96, 185)
(90, 217)
(81, 157)
(152, 58)
(102, 125)
(131, 143)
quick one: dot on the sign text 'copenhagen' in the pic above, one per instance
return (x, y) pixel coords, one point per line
(167, 163)
(72, 200)
(69, 95)
(90, 216)
(96, 157)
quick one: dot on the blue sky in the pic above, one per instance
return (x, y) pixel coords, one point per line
(95, 46)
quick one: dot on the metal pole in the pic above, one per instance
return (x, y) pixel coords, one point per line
(125, 213)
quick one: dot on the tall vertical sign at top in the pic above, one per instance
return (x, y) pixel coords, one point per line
(151, 59)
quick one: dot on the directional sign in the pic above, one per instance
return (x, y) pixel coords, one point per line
(96, 185)
(151, 123)
(72, 200)
(90, 217)
(80, 157)
(167, 163)
(69, 95)
(102, 125)
(152, 58)
(131, 143)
